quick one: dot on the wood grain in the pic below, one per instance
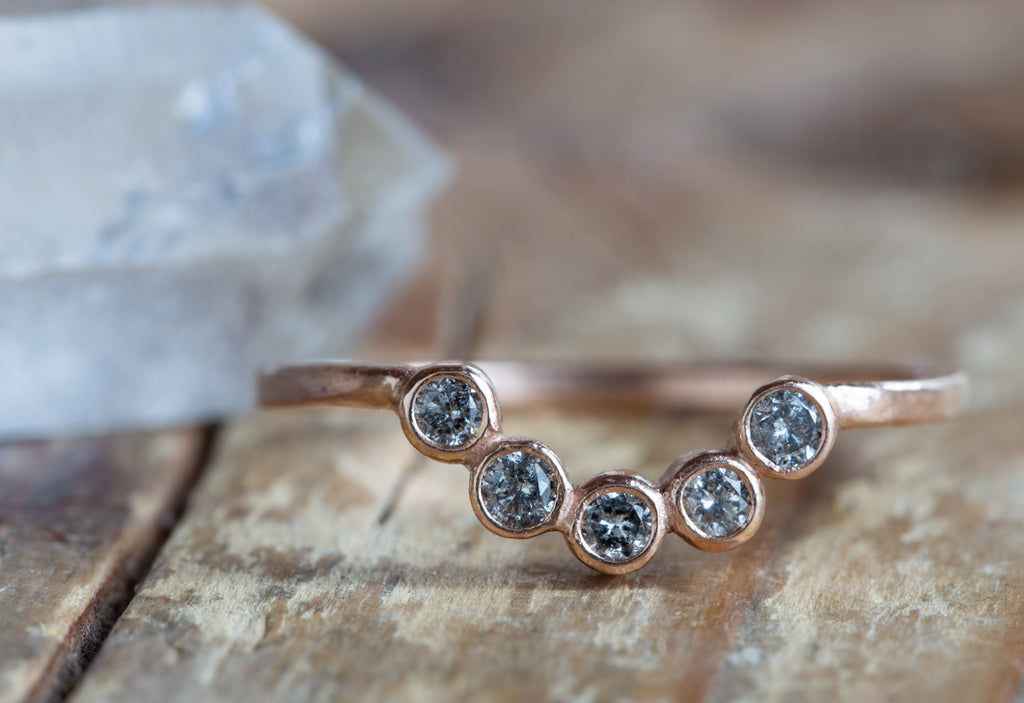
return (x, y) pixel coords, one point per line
(880, 578)
(80, 521)
(673, 181)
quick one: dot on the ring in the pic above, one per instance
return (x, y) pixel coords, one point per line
(615, 521)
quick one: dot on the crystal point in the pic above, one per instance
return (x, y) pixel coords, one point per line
(190, 192)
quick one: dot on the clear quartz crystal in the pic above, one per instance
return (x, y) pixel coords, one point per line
(188, 192)
(786, 428)
(617, 527)
(518, 490)
(718, 502)
(447, 412)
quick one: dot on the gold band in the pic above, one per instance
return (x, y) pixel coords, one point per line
(869, 396)
(615, 522)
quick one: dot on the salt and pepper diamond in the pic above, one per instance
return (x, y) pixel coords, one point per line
(786, 428)
(448, 413)
(718, 502)
(518, 490)
(616, 527)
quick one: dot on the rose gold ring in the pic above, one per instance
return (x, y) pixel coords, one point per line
(615, 522)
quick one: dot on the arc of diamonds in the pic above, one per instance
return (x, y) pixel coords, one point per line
(615, 521)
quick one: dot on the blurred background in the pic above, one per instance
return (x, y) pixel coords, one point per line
(778, 179)
(688, 180)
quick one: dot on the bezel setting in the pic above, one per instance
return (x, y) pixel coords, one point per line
(560, 486)
(664, 500)
(490, 410)
(689, 468)
(764, 465)
(622, 482)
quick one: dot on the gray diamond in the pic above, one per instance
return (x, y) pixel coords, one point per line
(785, 427)
(518, 490)
(617, 526)
(718, 502)
(447, 412)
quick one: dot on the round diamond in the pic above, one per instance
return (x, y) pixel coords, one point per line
(785, 428)
(617, 527)
(718, 502)
(447, 412)
(518, 490)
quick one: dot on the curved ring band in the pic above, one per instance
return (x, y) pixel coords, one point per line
(614, 522)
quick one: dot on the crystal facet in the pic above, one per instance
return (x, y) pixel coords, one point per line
(786, 428)
(617, 526)
(718, 502)
(188, 192)
(518, 490)
(447, 412)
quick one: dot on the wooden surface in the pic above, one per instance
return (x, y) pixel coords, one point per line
(736, 180)
(80, 521)
(890, 575)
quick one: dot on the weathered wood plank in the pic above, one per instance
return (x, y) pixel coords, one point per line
(79, 523)
(879, 578)
(282, 580)
(902, 577)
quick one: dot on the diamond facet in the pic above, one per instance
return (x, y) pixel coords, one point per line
(616, 527)
(786, 428)
(447, 412)
(718, 502)
(518, 490)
